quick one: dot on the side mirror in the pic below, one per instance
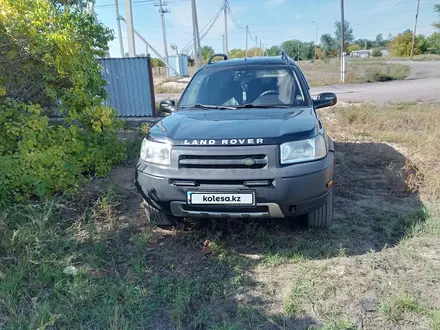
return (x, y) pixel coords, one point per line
(167, 107)
(325, 100)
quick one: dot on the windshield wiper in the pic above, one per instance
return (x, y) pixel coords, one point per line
(209, 106)
(250, 105)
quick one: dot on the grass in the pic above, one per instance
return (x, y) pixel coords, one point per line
(323, 73)
(90, 260)
(394, 310)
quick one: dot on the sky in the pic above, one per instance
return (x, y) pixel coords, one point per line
(272, 21)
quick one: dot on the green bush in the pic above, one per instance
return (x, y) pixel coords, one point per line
(38, 160)
(376, 52)
(48, 62)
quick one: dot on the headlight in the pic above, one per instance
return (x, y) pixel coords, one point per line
(157, 153)
(302, 151)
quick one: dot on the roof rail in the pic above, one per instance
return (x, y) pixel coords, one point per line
(225, 57)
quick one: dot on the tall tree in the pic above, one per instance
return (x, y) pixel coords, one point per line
(364, 43)
(237, 53)
(206, 52)
(329, 44)
(433, 43)
(401, 45)
(437, 10)
(274, 51)
(379, 40)
(348, 33)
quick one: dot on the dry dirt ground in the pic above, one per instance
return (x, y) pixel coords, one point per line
(378, 267)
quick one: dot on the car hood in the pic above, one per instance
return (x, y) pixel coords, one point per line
(236, 127)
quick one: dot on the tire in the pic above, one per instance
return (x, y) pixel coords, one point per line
(323, 216)
(158, 218)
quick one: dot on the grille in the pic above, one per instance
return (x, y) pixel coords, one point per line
(222, 162)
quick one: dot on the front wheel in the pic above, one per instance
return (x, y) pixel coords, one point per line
(323, 216)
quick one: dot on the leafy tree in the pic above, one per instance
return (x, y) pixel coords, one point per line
(254, 51)
(48, 62)
(433, 43)
(78, 3)
(437, 10)
(274, 51)
(348, 33)
(380, 40)
(329, 45)
(401, 44)
(364, 43)
(299, 50)
(292, 48)
(207, 52)
(241, 53)
(353, 47)
(237, 53)
(157, 63)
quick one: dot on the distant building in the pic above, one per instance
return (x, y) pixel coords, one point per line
(364, 53)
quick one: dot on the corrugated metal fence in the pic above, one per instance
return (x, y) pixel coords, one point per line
(129, 86)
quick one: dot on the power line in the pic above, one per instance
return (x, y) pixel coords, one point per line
(387, 10)
(233, 18)
(210, 24)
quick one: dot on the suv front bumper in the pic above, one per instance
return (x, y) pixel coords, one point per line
(291, 190)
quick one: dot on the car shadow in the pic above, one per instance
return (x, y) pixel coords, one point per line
(215, 274)
(376, 205)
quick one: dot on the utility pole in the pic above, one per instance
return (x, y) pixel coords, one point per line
(316, 40)
(162, 12)
(225, 8)
(256, 45)
(196, 36)
(247, 36)
(199, 46)
(118, 22)
(196, 58)
(415, 28)
(223, 42)
(342, 42)
(130, 33)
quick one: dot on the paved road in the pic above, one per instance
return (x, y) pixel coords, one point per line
(422, 84)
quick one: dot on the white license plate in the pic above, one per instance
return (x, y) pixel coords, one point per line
(200, 198)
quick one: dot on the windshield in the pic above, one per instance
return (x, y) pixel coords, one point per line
(250, 86)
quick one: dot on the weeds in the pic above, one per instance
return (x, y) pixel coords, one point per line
(434, 320)
(298, 295)
(395, 309)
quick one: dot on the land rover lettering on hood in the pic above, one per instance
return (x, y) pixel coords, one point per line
(243, 141)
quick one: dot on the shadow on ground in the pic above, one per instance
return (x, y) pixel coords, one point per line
(374, 208)
(210, 276)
